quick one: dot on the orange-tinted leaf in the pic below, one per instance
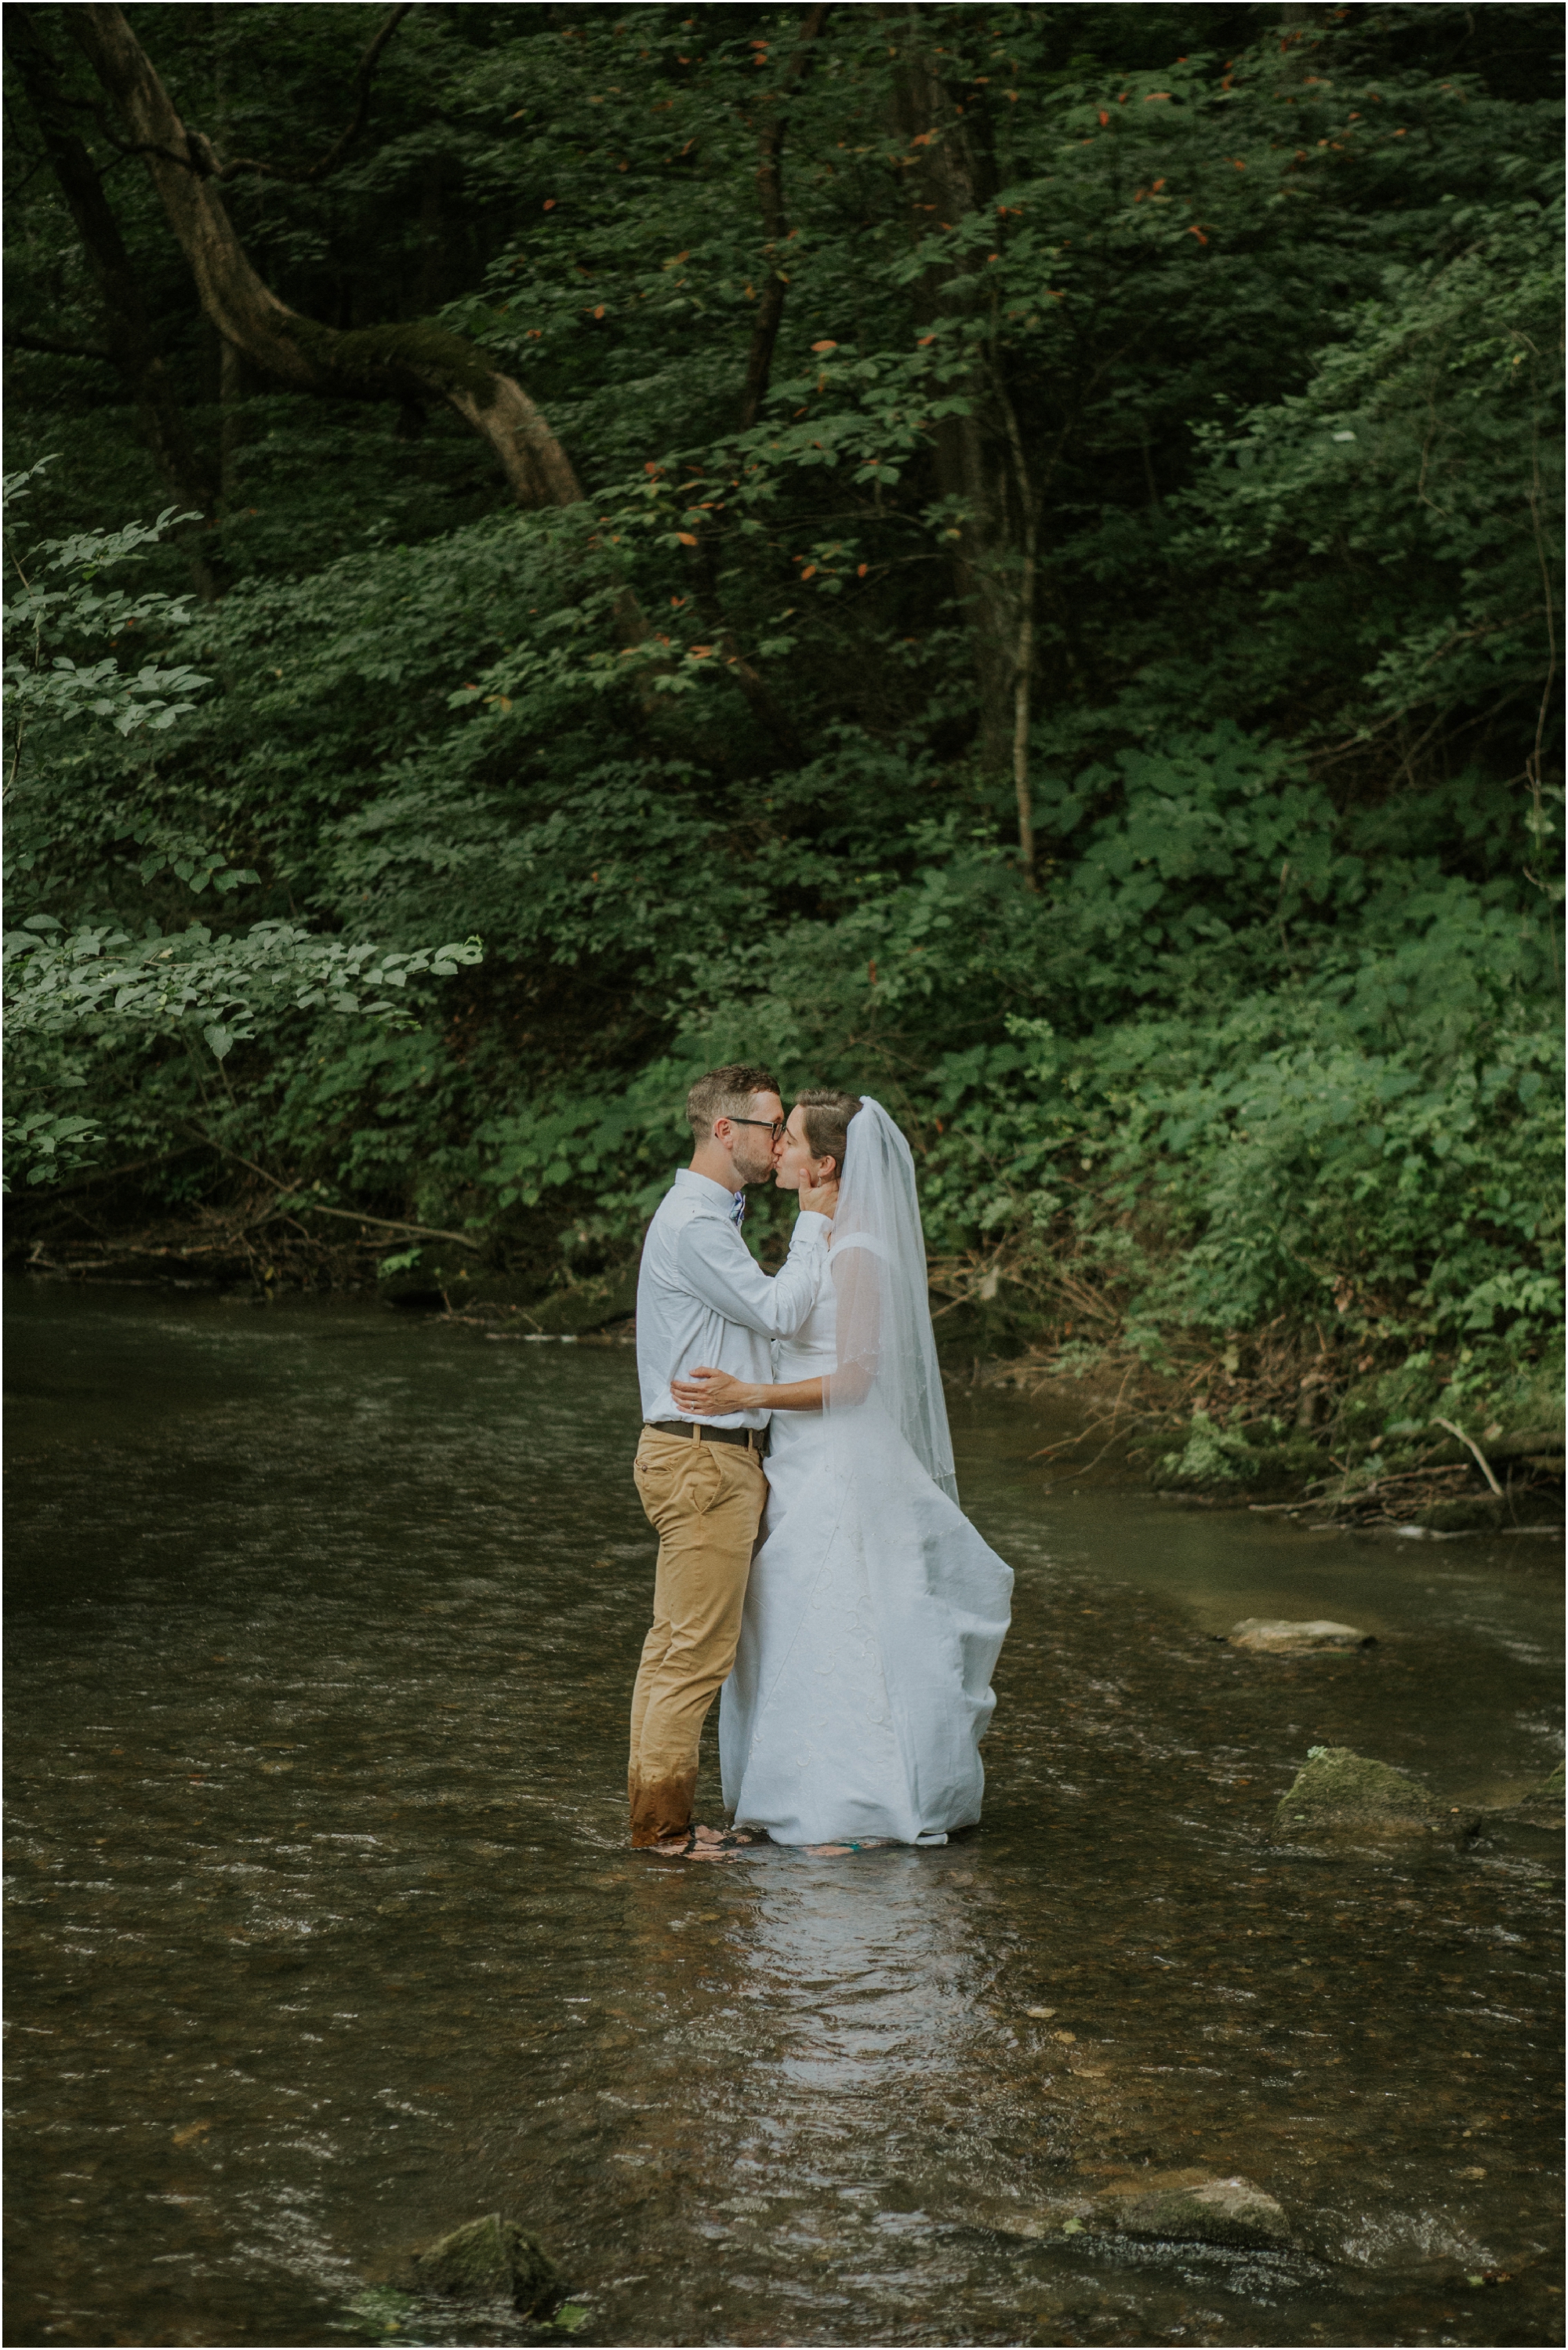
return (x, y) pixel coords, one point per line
(685, 538)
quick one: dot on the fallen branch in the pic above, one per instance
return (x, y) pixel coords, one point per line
(1482, 1462)
(298, 1200)
(383, 1223)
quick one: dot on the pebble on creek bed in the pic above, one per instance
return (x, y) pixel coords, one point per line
(1338, 1787)
(488, 2260)
(1219, 2211)
(1266, 1636)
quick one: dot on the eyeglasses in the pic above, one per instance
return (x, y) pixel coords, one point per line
(775, 1127)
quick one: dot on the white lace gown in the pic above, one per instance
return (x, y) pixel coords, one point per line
(873, 1621)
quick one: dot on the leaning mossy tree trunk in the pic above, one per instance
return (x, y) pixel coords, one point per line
(406, 363)
(131, 343)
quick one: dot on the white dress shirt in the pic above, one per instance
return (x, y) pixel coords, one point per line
(703, 1298)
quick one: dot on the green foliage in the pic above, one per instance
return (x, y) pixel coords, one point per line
(1212, 1456)
(91, 990)
(1259, 326)
(100, 982)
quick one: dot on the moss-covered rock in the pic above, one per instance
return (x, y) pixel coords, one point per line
(489, 2260)
(1288, 1464)
(1540, 1807)
(1221, 2211)
(1339, 1787)
(587, 1305)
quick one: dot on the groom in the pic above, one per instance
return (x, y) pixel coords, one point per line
(701, 1298)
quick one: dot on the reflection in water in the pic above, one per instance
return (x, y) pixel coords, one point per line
(325, 1938)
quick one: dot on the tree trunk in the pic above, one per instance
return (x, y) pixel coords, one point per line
(970, 467)
(129, 336)
(1030, 499)
(770, 198)
(398, 363)
(232, 391)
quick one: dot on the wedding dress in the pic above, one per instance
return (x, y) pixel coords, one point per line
(874, 1613)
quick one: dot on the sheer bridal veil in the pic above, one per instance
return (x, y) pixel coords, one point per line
(886, 1385)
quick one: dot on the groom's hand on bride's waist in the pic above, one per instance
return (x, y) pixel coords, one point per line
(708, 1392)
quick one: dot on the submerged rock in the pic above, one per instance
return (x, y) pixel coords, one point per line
(1272, 1638)
(1541, 1807)
(1340, 1788)
(1220, 2211)
(488, 2260)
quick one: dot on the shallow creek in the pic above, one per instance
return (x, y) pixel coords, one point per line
(324, 1937)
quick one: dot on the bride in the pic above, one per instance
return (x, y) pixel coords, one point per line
(874, 1614)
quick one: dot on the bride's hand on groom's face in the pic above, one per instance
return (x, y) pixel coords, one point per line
(704, 1392)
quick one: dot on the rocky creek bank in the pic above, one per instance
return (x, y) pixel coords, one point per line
(1437, 1479)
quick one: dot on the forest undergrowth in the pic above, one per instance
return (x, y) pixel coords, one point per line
(1008, 561)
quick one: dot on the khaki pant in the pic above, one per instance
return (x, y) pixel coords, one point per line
(706, 1502)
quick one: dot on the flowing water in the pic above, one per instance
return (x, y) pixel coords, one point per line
(325, 1938)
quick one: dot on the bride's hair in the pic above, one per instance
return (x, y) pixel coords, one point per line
(826, 1122)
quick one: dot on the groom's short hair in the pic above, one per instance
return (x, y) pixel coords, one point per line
(725, 1093)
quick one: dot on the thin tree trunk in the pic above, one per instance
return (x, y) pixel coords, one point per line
(231, 391)
(1030, 499)
(129, 334)
(966, 469)
(1021, 693)
(432, 282)
(775, 227)
(398, 363)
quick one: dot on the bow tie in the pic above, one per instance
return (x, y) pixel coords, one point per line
(738, 1207)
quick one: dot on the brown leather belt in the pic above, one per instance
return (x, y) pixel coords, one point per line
(696, 1432)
